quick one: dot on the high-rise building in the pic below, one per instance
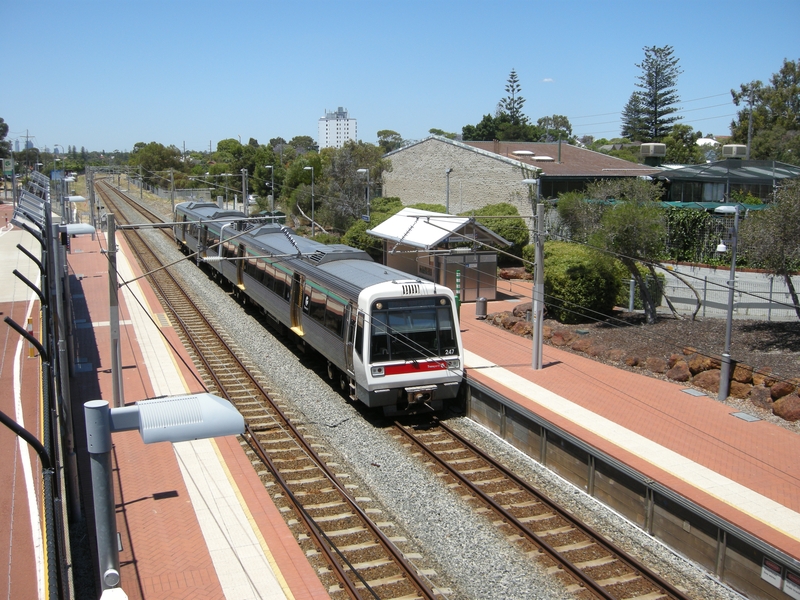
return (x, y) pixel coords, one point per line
(335, 128)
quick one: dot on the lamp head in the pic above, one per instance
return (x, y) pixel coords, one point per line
(721, 247)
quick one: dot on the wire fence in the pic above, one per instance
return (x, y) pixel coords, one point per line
(756, 296)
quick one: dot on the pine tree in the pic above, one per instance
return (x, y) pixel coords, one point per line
(633, 120)
(512, 104)
(658, 92)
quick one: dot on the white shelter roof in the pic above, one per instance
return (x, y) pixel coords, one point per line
(426, 229)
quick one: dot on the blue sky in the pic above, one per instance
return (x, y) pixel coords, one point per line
(105, 75)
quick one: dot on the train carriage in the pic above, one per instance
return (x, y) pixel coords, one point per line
(388, 336)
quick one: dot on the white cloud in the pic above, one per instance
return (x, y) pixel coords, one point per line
(548, 80)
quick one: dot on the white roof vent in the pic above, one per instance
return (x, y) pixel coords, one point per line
(653, 150)
(522, 153)
(734, 151)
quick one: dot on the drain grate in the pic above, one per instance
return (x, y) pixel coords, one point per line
(693, 392)
(745, 417)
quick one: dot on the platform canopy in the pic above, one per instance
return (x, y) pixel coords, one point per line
(427, 230)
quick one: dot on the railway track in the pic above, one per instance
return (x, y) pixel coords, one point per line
(350, 549)
(587, 563)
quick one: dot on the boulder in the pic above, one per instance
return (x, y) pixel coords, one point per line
(615, 354)
(699, 363)
(743, 373)
(689, 350)
(562, 337)
(547, 332)
(740, 390)
(788, 407)
(597, 350)
(708, 380)
(779, 389)
(522, 310)
(632, 360)
(763, 376)
(514, 273)
(508, 320)
(656, 364)
(760, 397)
(680, 371)
(581, 344)
(674, 359)
(522, 328)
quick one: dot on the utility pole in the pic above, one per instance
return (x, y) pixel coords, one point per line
(113, 292)
(750, 122)
(172, 188)
(244, 193)
(538, 290)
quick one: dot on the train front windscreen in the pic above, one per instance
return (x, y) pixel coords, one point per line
(412, 329)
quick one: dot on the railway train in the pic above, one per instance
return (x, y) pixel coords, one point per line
(391, 339)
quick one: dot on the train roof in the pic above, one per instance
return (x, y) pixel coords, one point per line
(337, 266)
(209, 210)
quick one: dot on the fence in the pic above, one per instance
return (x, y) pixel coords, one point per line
(757, 296)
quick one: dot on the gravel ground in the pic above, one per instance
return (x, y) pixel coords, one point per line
(474, 560)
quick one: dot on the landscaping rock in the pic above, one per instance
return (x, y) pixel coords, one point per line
(779, 389)
(708, 380)
(760, 397)
(740, 390)
(788, 407)
(581, 344)
(674, 359)
(763, 376)
(522, 310)
(743, 373)
(699, 363)
(633, 361)
(680, 371)
(562, 337)
(656, 364)
(615, 354)
(596, 350)
(689, 350)
(524, 328)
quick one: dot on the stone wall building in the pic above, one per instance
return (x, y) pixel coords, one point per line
(493, 172)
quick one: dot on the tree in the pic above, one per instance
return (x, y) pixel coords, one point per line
(633, 119)
(658, 93)
(634, 229)
(154, 158)
(512, 104)
(555, 128)
(770, 237)
(5, 147)
(682, 148)
(303, 144)
(775, 112)
(389, 140)
(441, 132)
(345, 201)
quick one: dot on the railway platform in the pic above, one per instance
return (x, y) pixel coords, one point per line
(194, 520)
(743, 471)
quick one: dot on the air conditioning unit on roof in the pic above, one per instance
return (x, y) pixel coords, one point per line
(653, 150)
(734, 151)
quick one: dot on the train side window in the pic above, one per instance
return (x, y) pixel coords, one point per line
(316, 309)
(334, 316)
(251, 268)
(269, 276)
(360, 335)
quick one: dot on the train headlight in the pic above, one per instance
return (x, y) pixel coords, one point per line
(377, 371)
(454, 364)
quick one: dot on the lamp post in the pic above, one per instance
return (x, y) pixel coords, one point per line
(447, 190)
(158, 420)
(365, 172)
(537, 330)
(725, 371)
(312, 198)
(245, 199)
(271, 187)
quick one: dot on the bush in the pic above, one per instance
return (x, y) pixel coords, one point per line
(656, 289)
(580, 284)
(513, 230)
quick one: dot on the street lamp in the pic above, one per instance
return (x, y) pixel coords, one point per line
(537, 330)
(447, 191)
(312, 198)
(172, 419)
(271, 187)
(725, 371)
(365, 172)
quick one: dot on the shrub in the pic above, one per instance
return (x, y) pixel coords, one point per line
(513, 230)
(656, 289)
(580, 284)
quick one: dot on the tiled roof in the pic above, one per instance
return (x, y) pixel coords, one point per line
(574, 161)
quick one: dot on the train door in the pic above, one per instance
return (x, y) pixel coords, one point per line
(182, 229)
(202, 242)
(350, 336)
(296, 303)
(240, 267)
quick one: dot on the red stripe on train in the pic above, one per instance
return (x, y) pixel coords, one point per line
(418, 367)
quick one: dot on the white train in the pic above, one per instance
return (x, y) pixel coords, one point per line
(390, 338)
